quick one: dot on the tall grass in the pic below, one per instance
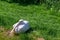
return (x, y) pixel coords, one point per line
(44, 22)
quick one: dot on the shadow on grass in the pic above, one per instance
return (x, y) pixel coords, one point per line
(52, 32)
(30, 30)
(25, 2)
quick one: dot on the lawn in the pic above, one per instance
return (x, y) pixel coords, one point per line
(44, 22)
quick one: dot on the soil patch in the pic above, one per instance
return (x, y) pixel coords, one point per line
(3, 31)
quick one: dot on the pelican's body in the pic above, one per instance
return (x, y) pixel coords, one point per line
(21, 26)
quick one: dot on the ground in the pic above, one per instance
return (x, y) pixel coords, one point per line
(44, 22)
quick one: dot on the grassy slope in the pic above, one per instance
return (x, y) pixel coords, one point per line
(45, 23)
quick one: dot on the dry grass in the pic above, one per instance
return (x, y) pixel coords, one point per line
(4, 34)
(4, 31)
(40, 39)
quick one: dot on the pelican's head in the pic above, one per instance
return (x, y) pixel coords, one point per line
(20, 20)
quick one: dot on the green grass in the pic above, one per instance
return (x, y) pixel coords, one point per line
(44, 22)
